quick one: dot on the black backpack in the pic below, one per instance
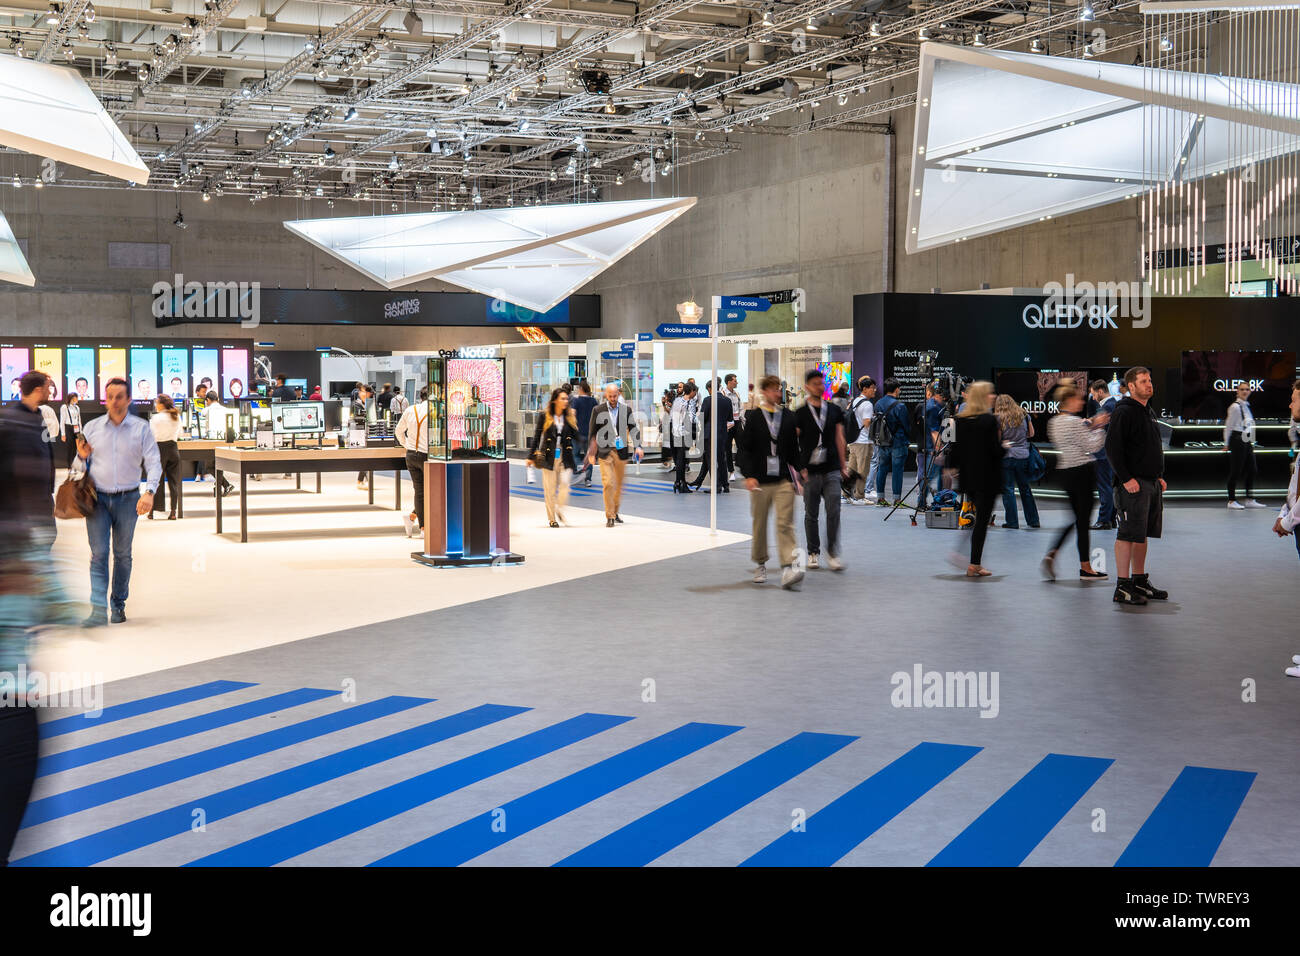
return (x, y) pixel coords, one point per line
(881, 434)
(851, 427)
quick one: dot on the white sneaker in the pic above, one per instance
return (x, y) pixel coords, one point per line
(1252, 503)
(760, 574)
(813, 564)
(1236, 506)
(1293, 671)
(408, 524)
(1296, 658)
(790, 578)
(834, 563)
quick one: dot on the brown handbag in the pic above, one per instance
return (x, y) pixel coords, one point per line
(75, 497)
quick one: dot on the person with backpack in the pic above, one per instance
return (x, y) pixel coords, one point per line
(857, 432)
(889, 425)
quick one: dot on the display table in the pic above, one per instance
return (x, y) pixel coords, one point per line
(271, 461)
(201, 449)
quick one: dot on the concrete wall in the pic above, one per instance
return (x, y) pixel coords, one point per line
(808, 212)
(78, 294)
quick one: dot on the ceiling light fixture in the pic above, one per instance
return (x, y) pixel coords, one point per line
(1086, 12)
(52, 16)
(350, 115)
(978, 39)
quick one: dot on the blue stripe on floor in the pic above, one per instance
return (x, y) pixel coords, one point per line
(1008, 831)
(337, 822)
(145, 705)
(477, 835)
(104, 749)
(191, 765)
(845, 822)
(178, 819)
(1191, 819)
(654, 834)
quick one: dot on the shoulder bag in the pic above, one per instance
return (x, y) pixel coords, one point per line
(75, 497)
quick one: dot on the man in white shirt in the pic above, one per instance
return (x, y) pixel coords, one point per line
(1239, 440)
(412, 432)
(861, 463)
(733, 435)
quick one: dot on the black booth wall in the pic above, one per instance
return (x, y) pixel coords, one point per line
(975, 334)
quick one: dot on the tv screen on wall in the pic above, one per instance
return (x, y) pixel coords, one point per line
(1210, 378)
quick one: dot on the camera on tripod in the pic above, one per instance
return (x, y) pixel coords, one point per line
(949, 385)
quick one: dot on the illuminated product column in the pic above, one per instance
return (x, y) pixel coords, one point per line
(533, 256)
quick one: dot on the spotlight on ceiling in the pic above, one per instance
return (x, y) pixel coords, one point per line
(842, 99)
(110, 56)
(320, 190)
(350, 115)
(699, 71)
(1036, 45)
(52, 15)
(1166, 44)
(17, 181)
(923, 33)
(179, 221)
(329, 152)
(393, 164)
(414, 25)
(875, 28)
(978, 39)
(207, 196)
(811, 26)
(610, 108)
(90, 13)
(1086, 12)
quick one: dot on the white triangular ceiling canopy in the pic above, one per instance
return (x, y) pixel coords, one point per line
(13, 264)
(533, 256)
(1004, 139)
(49, 110)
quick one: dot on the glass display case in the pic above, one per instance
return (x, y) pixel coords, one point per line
(466, 408)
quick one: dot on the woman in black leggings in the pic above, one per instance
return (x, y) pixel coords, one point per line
(976, 454)
(1076, 441)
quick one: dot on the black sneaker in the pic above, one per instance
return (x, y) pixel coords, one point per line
(118, 616)
(1143, 583)
(96, 619)
(1126, 593)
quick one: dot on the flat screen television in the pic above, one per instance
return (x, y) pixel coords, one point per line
(297, 418)
(1032, 388)
(1210, 378)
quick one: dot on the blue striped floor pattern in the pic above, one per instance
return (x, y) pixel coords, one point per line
(1185, 828)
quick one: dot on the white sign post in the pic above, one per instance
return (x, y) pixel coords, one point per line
(716, 307)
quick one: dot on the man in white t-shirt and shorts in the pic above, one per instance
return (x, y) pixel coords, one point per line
(860, 490)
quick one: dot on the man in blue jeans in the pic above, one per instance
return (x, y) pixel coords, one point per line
(892, 414)
(114, 448)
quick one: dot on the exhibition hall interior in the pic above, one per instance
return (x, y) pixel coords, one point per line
(522, 433)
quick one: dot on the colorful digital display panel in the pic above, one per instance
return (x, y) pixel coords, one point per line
(175, 372)
(50, 361)
(14, 363)
(205, 369)
(81, 371)
(836, 376)
(475, 404)
(234, 373)
(112, 364)
(144, 374)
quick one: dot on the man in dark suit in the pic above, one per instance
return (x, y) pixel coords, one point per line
(1103, 403)
(615, 437)
(725, 420)
(583, 404)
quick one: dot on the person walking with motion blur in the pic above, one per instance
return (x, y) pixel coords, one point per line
(615, 437)
(1017, 429)
(1076, 440)
(27, 466)
(1289, 516)
(166, 425)
(769, 455)
(553, 444)
(975, 455)
(1239, 440)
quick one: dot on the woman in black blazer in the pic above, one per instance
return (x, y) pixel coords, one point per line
(557, 430)
(976, 454)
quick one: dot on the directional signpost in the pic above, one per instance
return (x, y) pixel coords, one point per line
(676, 330)
(726, 308)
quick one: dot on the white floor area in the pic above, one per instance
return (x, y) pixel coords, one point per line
(315, 564)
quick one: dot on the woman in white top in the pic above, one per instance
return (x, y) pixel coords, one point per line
(166, 425)
(1076, 440)
(70, 420)
(1239, 439)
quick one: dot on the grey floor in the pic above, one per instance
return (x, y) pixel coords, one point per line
(1197, 681)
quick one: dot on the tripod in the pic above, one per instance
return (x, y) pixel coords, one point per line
(922, 475)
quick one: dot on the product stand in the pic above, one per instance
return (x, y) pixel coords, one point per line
(466, 476)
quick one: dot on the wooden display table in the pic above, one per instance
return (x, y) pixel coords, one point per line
(270, 461)
(202, 449)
